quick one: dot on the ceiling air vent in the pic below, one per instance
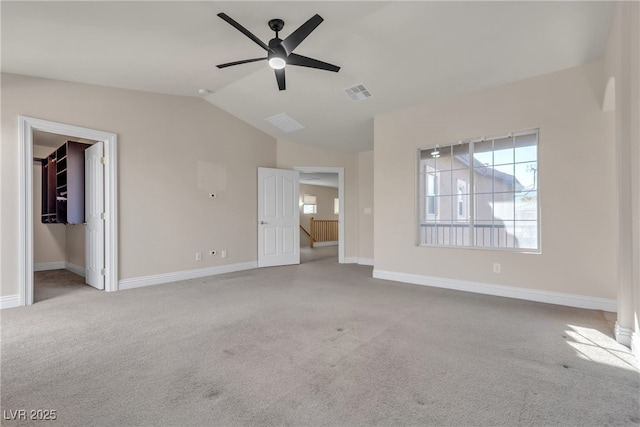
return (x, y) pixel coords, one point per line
(358, 92)
(285, 123)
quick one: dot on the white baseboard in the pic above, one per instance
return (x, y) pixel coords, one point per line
(356, 260)
(623, 335)
(46, 266)
(626, 336)
(321, 244)
(59, 265)
(9, 301)
(558, 298)
(156, 279)
(76, 269)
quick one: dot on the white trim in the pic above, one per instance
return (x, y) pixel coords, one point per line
(25, 227)
(157, 279)
(59, 265)
(80, 271)
(9, 301)
(356, 260)
(320, 244)
(635, 345)
(341, 196)
(623, 335)
(46, 266)
(571, 300)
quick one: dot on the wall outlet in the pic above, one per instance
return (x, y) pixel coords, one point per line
(212, 252)
(198, 256)
(212, 195)
(497, 268)
(223, 253)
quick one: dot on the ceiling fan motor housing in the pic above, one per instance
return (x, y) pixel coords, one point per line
(276, 25)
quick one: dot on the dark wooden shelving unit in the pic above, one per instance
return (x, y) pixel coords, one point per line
(63, 185)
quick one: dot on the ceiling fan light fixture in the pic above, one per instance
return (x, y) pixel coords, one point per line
(277, 63)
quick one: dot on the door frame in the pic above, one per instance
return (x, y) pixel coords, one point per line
(25, 227)
(340, 172)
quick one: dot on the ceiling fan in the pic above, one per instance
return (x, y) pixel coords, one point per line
(280, 52)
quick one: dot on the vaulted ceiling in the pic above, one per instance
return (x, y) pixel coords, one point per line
(405, 53)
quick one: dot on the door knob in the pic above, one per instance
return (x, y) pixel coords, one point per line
(262, 222)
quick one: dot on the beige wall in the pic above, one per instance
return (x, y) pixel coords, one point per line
(576, 180)
(291, 155)
(622, 67)
(365, 206)
(172, 151)
(74, 250)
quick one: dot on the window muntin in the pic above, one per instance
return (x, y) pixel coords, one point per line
(490, 202)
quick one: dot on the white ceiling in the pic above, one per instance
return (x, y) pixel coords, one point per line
(406, 53)
(54, 140)
(321, 179)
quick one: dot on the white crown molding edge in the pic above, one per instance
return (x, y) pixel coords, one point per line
(549, 297)
(157, 279)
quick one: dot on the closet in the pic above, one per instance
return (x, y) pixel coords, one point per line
(63, 185)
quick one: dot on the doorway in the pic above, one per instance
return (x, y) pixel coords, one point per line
(28, 128)
(59, 227)
(325, 177)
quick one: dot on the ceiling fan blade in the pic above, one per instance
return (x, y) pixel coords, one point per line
(280, 79)
(303, 61)
(244, 31)
(301, 33)
(244, 61)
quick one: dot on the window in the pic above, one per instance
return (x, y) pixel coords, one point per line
(336, 206)
(480, 193)
(309, 204)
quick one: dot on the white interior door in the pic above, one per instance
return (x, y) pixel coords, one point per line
(278, 217)
(94, 220)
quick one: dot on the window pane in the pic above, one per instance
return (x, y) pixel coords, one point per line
(443, 208)
(503, 235)
(503, 151)
(503, 179)
(484, 207)
(527, 205)
(461, 175)
(460, 156)
(526, 148)
(444, 183)
(444, 161)
(526, 176)
(426, 161)
(503, 206)
(483, 153)
(526, 233)
(483, 177)
(482, 233)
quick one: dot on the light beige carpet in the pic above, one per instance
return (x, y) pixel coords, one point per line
(314, 344)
